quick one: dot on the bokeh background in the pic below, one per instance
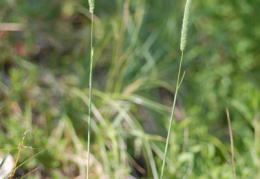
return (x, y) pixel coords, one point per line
(44, 67)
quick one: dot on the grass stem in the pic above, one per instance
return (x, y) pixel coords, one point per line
(232, 144)
(184, 33)
(20, 146)
(90, 90)
(172, 115)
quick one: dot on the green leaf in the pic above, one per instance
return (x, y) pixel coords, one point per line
(3, 161)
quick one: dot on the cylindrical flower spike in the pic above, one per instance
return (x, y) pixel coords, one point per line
(91, 5)
(184, 30)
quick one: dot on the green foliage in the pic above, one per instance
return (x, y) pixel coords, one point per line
(44, 70)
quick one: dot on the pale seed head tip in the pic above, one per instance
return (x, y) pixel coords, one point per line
(185, 25)
(91, 5)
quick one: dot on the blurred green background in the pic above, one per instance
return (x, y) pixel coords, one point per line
(44, 67)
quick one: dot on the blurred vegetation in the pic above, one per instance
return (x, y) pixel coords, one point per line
(44, 67)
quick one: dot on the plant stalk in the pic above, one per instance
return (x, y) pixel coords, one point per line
(178, 83)
(90, 92)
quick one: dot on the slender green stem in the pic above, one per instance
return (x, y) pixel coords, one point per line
(231, 144)
(90, 89)
(172, 114)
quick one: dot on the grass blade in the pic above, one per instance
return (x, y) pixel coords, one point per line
(3, 161)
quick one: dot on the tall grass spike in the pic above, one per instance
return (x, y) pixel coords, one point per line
(91, 5)
(184, 30)
(179, 81)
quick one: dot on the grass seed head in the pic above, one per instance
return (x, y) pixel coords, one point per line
(184, 30)
(91, 5)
